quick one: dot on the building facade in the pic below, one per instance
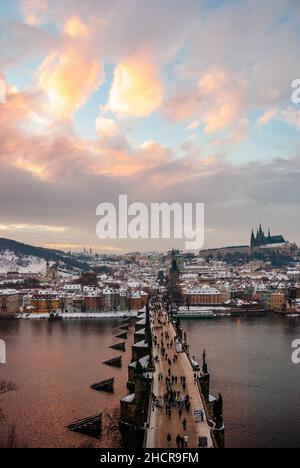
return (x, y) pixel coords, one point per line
(45, 303)
(9, 302)
(202, 296)
(278, 302)
(261, 240)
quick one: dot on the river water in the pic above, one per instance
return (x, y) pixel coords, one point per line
(54, 364)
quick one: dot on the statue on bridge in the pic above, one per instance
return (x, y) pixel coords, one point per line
(218, 412)
(204, 365)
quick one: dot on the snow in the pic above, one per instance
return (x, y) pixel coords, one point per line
(144, 361)
(81, 315)
(9, 261)
(8, 292)
(129, 398)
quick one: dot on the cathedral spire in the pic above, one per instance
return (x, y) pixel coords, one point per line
(252, 240)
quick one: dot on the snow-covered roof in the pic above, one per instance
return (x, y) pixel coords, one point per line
(203, 291)
(8, 292)
(144, 361)
(129, 398)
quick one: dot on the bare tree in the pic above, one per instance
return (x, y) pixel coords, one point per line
(12, 438)
(6, 387)
(112, 429)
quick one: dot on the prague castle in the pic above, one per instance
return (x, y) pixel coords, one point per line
(258, 242)
(263, 241)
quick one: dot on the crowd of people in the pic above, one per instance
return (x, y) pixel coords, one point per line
(176, 400)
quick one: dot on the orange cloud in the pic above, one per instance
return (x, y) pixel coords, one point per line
(291, 117)
(68, 79)
(219, 118)
(137, 89)
(218, 101)
(161, 166)
(223, 100)
(106, 127)
(34, 168)
(76, 28)
(15, 108)
(32, 10)
(56, 156)
(32, 227)
(193, 125)
(267, 117)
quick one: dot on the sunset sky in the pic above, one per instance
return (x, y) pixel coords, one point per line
(168, 100)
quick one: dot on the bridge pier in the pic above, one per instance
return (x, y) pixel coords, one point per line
(135, 406)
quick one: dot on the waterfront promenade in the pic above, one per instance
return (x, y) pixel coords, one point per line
(164, 421)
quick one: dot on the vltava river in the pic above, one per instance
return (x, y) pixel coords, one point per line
(54, 364)
(250, 364)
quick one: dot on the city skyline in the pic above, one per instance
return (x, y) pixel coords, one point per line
(177, 102)
(255, 240)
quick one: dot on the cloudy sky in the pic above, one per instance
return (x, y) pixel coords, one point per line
(173, 100)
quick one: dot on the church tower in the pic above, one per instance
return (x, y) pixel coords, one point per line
(174, 270)
(261, 239)
(252, 240)
(47, 269)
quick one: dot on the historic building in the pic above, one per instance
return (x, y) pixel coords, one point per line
(261, 240)
(202, 296)
(257, 241)
(137, 300)
(9, 302)
(52, 271)
(44, 302)
(278, 302)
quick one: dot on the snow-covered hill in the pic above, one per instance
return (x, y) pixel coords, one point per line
(10, 261)
(24, 258)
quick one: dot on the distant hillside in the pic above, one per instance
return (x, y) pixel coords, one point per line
(22, 257)
(24, 249)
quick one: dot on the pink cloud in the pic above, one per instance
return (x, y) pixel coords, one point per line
(68, 79)
(217, 101)
(33, 10)
(137, 89)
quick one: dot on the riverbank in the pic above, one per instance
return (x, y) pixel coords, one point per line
(217, 313)
(82, 315)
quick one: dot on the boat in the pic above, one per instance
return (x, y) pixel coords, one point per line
(239, 308)
(54, 316)
(247, 312)
(195, 313)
